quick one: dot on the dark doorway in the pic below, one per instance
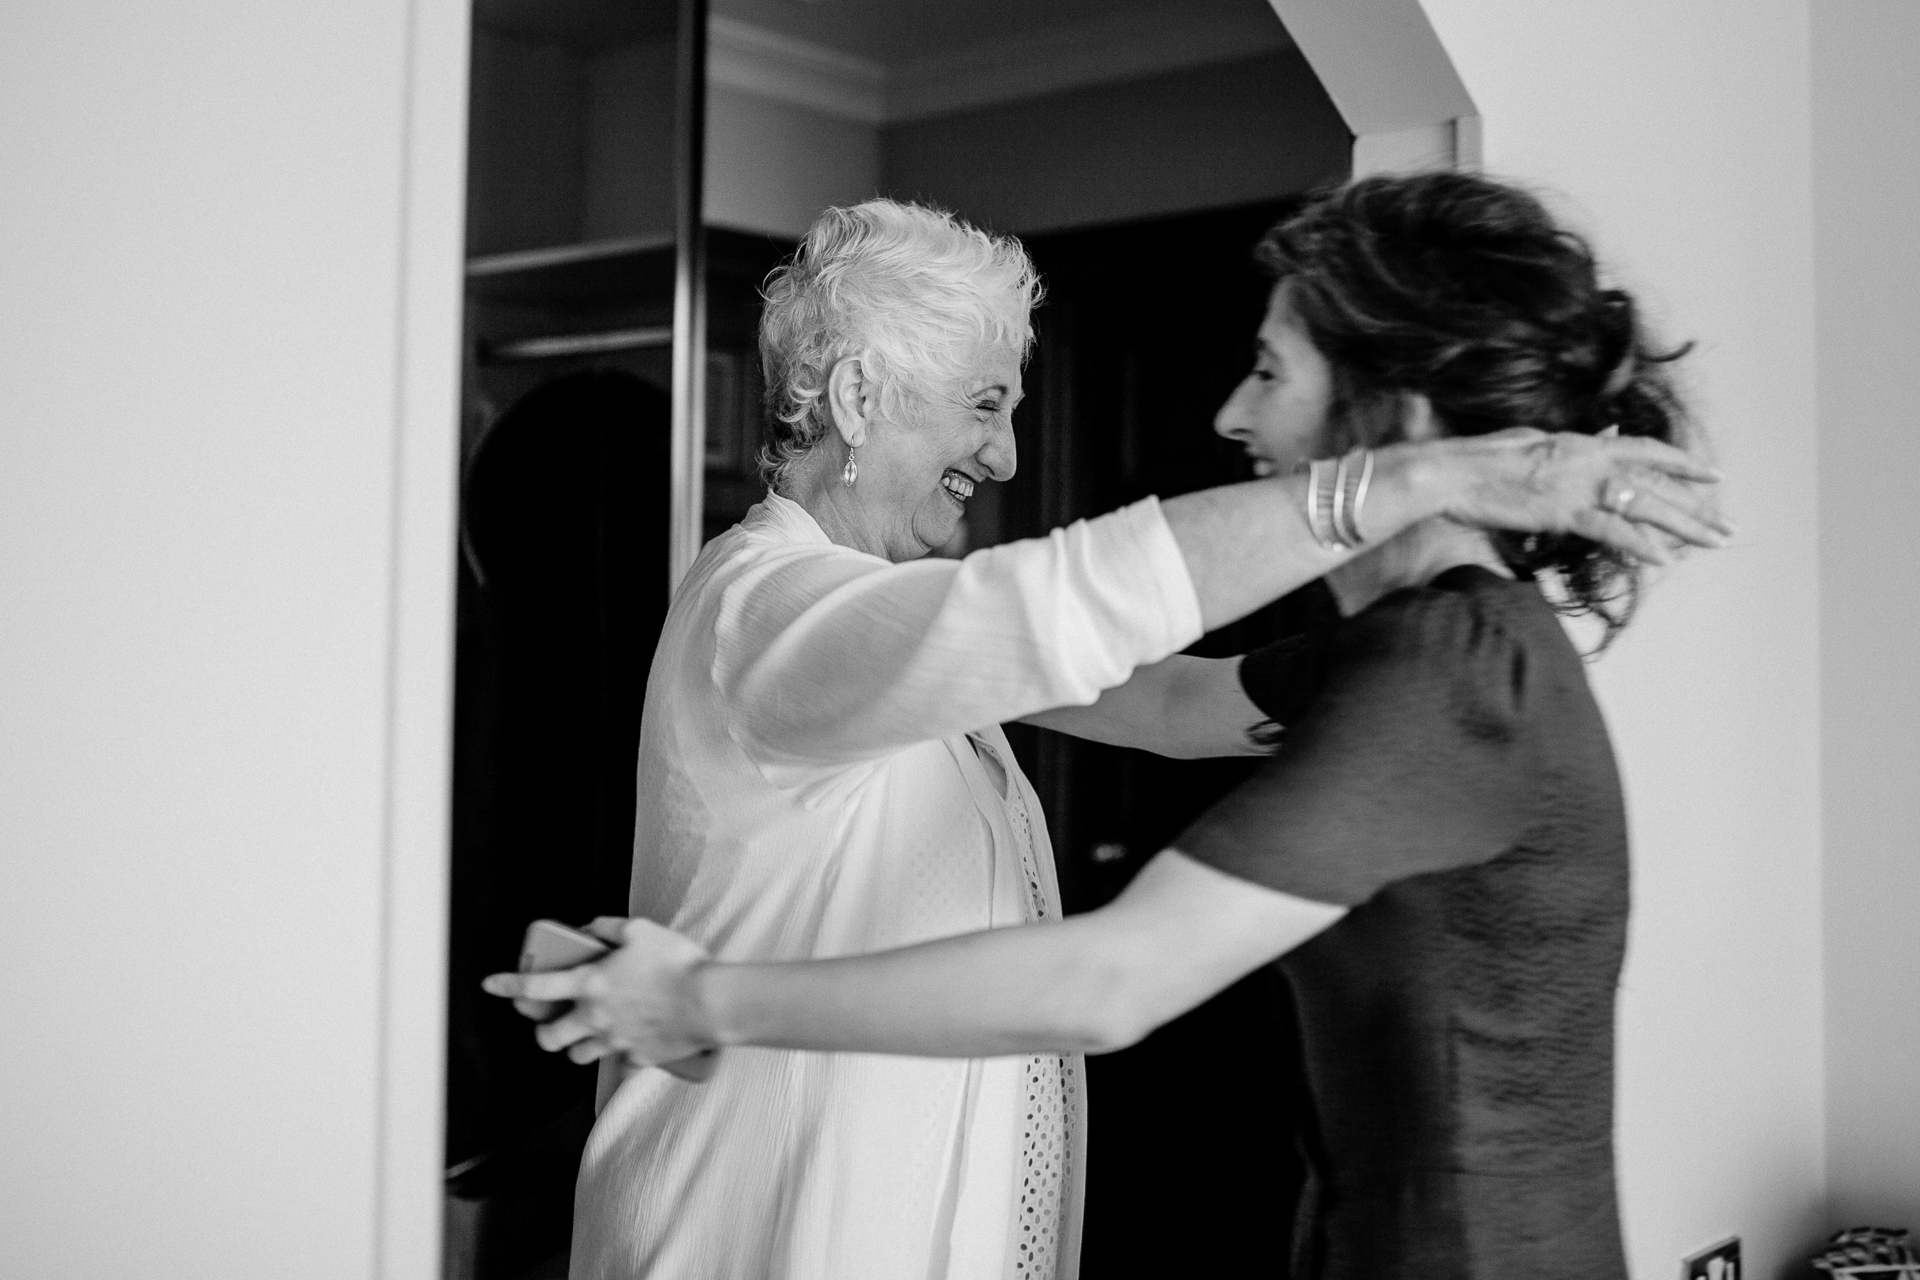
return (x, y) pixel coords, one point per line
(1147, 328)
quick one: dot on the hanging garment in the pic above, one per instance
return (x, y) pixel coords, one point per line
(563, 586)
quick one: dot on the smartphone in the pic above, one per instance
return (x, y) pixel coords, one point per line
(550, 945)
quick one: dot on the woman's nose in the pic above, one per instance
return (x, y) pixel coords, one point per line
(1229, 422)
(1000, 455)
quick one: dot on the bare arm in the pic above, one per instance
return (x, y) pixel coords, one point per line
(1181, 932)
(1246, 544)
(1184, 707)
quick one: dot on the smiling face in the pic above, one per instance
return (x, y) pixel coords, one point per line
(916, 473)
(1278, 413)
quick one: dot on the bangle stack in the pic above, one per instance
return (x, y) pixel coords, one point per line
(1336, 495)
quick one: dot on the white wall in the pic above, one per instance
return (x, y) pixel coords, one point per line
(773, 166)
(1679, 133)
(1866, 125)
(200, 324)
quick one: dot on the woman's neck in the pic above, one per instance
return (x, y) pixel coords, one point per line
(1412, 559)
(815, 484)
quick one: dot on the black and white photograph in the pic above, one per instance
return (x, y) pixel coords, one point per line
(960, 640)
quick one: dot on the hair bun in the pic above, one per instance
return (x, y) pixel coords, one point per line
(1466, 291)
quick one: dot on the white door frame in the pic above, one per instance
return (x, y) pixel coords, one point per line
(419, 737)
(1391, 80)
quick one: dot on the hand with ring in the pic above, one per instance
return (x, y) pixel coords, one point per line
(1625, 491)
(1617, 497)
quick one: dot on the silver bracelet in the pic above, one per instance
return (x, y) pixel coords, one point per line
(1320, 504)
(1336, 495)
(1350, 532)
(1340, 501)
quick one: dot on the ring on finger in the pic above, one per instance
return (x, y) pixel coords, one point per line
(1618, 497)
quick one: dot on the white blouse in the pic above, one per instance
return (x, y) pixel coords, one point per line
(822, 773)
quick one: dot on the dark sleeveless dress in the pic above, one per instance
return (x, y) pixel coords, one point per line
(1443, 767)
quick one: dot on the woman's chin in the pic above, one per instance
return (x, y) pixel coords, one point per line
(934, 532)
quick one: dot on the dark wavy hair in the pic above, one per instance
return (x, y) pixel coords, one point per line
(1466, 291)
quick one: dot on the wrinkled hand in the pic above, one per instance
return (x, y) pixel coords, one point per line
(1535, 482)
(640, 1001)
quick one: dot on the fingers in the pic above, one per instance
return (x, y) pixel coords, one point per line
(1680, 516)
(591, 1050)
(608, 929)
(564, 1031)
(538, 1010)
(1620, 533)
(562, 984)
(540, 995)
(1629, 452)
(639, 1001)
(1685, 510)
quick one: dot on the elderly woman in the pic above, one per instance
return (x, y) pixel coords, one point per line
(822, 773)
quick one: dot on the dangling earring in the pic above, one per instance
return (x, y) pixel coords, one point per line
(851, 471)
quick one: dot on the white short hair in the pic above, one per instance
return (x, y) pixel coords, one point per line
(908, 289)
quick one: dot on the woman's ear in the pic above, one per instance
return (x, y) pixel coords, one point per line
(1418, 421)
(850, 400)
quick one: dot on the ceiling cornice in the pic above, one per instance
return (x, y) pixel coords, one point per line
(1126, 46)
(767, 64)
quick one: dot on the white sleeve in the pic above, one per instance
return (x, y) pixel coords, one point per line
(825, 656)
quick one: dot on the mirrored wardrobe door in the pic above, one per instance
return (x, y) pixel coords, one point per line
(581, 450)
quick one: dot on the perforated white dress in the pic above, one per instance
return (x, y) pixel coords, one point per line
(822, 773)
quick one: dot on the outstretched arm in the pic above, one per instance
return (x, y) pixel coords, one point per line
(1097, 982)
(1246, 544)
(1184, 707)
